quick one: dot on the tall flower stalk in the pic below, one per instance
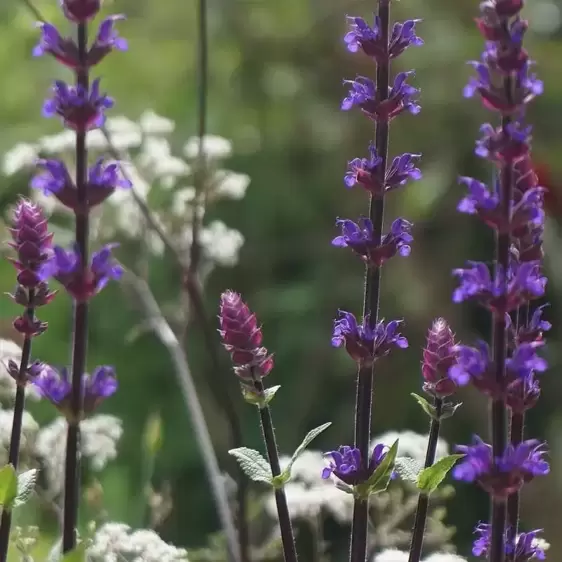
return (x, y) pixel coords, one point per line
(81, 108)
(506, 371)
(33, 244)
(366, 341)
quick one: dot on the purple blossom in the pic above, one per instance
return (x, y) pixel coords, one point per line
(65, 267)
(523, 283)
(56, 386)
(505, 474)
(365, 343)
(370, 40)
(533, 332)
(360, 238)
(107, 40)
(54, 177)
(472, 363)
(525, 360)
(79, 109)
(523, 393)
(527, 546)
(62, 48)
(504, 144)
(346, 464)
(401, 96)
(105, 175)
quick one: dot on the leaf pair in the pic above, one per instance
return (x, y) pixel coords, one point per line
(16, 489)
(427, 480)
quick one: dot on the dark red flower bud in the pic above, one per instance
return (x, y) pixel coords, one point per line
(438, 357)
(242, 337)
(80, 11)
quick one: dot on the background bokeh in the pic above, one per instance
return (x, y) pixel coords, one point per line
(276, 70)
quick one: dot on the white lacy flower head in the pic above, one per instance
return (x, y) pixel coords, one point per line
(391, 555)
(10, 350)
(221, 244)
(116, 541)
(214, 147)
(28, 434)
(157, 161)
(411, 444)
(21, 157)
(444, 557)
(153, 124)
(230, 184)
(99, 437)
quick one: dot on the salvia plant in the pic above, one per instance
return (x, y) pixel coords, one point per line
(378, 485)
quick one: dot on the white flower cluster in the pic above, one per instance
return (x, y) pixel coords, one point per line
(308, 495)
(99, 437)
(151, 167)
(115, 542)
(10, 350)
(393, 555)
(411, 444)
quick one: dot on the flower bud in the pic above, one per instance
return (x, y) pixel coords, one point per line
(438, 357)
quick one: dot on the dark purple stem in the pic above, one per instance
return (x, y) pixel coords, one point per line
(516, 437)
(499, 331)
(423, 499)
(15, 438)
(287, 538)
(365, 375)
(80, 332)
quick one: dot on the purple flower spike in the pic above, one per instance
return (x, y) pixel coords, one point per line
(64, 266)
(499, 147)
(401, 96)
(402, 169)
(346, 464)
(505, 475)
(53, 179)
(62, 48)
(527, 545)
(363, 343)
(370, 40)
(107, 40)
(78, 109)
(56, 386)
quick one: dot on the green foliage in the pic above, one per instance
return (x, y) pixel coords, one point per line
(430, 478)
(253, 464)
(8, 486)
(259, 400)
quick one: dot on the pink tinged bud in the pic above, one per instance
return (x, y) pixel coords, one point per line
(242, 338)
(438, 357)
(80, 11)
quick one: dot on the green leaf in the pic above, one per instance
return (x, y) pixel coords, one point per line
(253, 464)
(152, 437)
(78, 554)
(430, 478)
(426, 406)
(449, 410)
(408, 469)
(8, 486)
(260, 400)
(380, 479)
(25, 486)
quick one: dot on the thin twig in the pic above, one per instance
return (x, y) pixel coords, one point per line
(182, 370)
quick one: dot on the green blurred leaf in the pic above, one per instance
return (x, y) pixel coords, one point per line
(380, 479)
(8, 486)
(260, 400)
(426, 406)
(430, 478)
(78, 554)
(153, 434)
(253, 464)
(25, 486)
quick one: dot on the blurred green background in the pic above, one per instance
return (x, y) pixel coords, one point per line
(276, 70)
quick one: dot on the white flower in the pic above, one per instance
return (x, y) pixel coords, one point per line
(153, 124)
(99, 436)
(28, 433)
(444, 557)
(10, 350)
(391, 555)
(20, 157)
(121, 124)
(230, 184)
(221, 244)
(157, 160)
(215, 147)
(116, 541)
(303, 502)
(181, 200)
(61, 142)
(411, 444)
(307, 468)
(48, 203)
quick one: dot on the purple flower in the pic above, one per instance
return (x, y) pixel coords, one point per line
(523, 393)
(56, 386)
(346, 464)
(502, 145)
(522, 284)
(65, 267)
(525, 360)
(365, 343)
(479, 199)
(370, 40)
(107, 40)
(80, 110)
(527, 546)
(51, 42)
(54, 177)
(367, 172)
(360, 238)
(533, 332)
(105, 175)
(472, 363)
(401, 96)
(506, 474)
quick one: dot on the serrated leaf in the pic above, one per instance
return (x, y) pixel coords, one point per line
(253, 464)
(8, 486)
(430, 478)
(380, 479)
(449, 410)
(260, 400)
(25, 486)
(408, 469)
(309, 437)
(425, 405)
